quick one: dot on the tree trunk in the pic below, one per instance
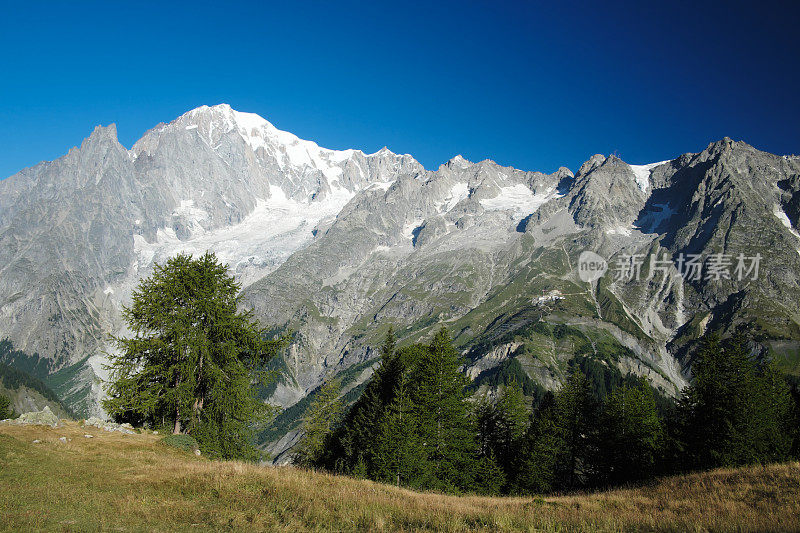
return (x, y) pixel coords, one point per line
(198, 401)
(177, 429)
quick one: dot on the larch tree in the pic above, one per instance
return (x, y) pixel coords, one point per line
(193, 358)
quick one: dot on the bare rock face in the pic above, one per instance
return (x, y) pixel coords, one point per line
(76, 234)
(338, 245)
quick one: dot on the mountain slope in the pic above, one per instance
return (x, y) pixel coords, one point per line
(340, 245)
(77, 234)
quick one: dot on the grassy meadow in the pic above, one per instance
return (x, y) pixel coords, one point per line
(116, 482)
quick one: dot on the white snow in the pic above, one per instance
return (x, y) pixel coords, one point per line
(339, 156)
(276, 228)
(458, 192)
(193, 215)
(383, 185)
(408, 229)
(460, 162)
(519, 199)
(642, 173)
(781, 215)
(192, 127)
(108, 290)
(260, 133)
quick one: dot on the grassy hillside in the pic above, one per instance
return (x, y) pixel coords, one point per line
(134, 483)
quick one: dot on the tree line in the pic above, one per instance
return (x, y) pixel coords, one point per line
(415, 425)
(194, 362)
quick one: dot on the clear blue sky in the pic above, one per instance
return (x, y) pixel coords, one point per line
(535, 85)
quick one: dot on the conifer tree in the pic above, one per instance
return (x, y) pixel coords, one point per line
(6, 410)
(734, 412)
(447, 434)
(501, 425)
(353, 443)
(630, 435)
(512, 421)
(534, 466)
(397, 456)
(775, 416)
(192, 359)
(321, 416)
(574, 418)
(795, 422)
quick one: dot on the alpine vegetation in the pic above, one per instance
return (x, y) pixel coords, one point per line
(576, 304)
(193, 358)
(414, 425)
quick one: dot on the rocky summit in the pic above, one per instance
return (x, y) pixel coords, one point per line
(339, 245)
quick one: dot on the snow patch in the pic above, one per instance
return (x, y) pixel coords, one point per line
(383, 185)
(781, 215)
(458, 192)
(460, 162)
(408, 229)
(194, 216)
(260, 133)
(276, 228)
(642, 174)
(520, 199)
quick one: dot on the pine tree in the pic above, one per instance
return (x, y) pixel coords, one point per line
(397, 456)
(512, 421)
(447, 434)
(534, 466)
(487, 477)
(486, 420)
(353, 443)
(734, 412)
(501, 425)
(192, 359)
(575, 411)
(795, 422)
(321, 416)
(630, 435)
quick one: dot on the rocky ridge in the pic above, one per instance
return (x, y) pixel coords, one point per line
(340, 245)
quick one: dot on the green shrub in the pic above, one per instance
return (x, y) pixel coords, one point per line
(6, 409)
(182, 442)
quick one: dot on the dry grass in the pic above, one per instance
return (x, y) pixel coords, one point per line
(131, 483)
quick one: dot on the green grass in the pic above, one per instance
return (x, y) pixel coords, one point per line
(116, 482)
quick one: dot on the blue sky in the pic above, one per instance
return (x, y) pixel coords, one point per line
(535, 85)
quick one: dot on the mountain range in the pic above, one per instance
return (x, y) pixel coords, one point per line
(338, 246)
